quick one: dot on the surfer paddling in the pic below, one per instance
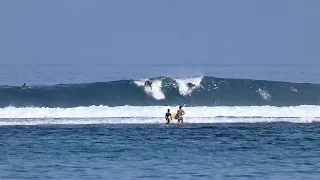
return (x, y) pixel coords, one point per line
(180, 114)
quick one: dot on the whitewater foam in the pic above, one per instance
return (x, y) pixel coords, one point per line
(183, 84)
(305, 111)
(155, 90)
(192, 120)
(294, 89)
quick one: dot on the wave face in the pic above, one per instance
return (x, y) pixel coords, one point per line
(207, 91)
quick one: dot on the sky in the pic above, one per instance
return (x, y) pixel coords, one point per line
(160, 32)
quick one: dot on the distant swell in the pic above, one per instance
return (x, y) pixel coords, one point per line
(208, 91)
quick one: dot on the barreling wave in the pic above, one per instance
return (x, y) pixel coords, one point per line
(205, 91)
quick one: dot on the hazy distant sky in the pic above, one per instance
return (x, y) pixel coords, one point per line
(160, 31)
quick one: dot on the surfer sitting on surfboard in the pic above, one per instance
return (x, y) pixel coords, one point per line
(25, 85)
(180, 114)
(168, 116)
(148, 83)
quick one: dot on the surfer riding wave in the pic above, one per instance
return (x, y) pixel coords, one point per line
(148, 83)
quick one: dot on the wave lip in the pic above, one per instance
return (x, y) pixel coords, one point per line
(155, 91)
(207, 91)
(183, 85)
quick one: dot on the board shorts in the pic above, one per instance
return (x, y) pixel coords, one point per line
(180, 117)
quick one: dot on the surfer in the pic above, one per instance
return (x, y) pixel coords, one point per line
(25, 85)
(180, 114)
(148, 83)
(190, 85)
(168, 114)
(294, 89)
(264, 94)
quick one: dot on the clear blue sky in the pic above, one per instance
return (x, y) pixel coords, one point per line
(160, 31)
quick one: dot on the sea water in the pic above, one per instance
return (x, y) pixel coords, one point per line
(100, 122)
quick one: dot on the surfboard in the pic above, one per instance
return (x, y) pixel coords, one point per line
(173, 115)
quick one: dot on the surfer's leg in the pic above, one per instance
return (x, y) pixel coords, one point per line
(181, 119)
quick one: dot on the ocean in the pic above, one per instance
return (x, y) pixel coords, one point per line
(99, 121)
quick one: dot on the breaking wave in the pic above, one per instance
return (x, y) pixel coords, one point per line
(164, 91)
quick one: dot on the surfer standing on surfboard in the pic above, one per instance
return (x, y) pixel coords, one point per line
(148, 83)
(190, 85)
(180, 114)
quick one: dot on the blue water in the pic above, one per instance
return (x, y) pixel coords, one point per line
(70, 136)
(207, 151)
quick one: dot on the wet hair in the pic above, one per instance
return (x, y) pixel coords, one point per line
(180, 107)
(168, 110)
